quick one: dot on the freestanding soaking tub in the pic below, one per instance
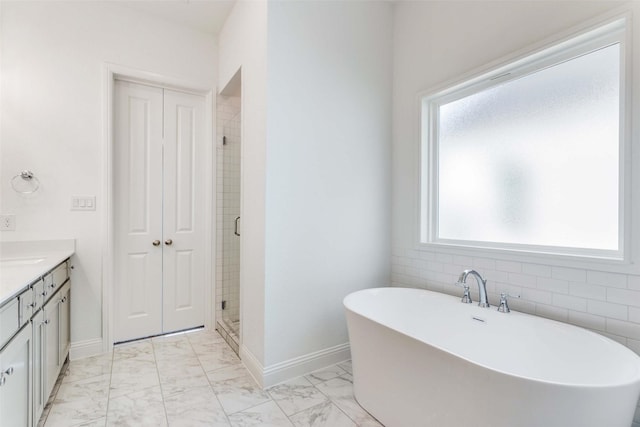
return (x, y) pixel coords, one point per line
(423, 358)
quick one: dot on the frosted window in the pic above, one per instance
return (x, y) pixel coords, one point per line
(534, 160)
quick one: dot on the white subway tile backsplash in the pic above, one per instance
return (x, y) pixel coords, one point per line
(484, 264)
(509, 266)
(437, 287)
(395, 268)
(553, 285)
(607, 309)
(398, 251)
(419, 263)
(570, 302)
(623, 296)
(586, 290)
(622, 328)
(536, 295)
(496, 276)
(434, 266)
(553, 313)
(586, 320)
(444, 258)
(412, 271)
(523, 306)
(608, 303)
(536, 270)
(523, 280)
(452, 268)
(570, 274)
(607, 279)
(406, 261)
(464, 261)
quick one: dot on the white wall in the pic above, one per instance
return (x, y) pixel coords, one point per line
(328, 168)
(53, 54)
(243, 45)
(438, 41)
(316, 168)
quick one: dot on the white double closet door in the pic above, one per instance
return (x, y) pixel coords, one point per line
(159, 210)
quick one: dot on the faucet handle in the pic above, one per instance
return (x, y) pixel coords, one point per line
(503, 307)
(466, 297)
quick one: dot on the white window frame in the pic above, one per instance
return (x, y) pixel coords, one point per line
(557, 50)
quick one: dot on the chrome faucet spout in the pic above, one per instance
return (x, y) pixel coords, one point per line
(482, 285)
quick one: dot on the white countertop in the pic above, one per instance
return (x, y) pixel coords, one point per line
(22, 263)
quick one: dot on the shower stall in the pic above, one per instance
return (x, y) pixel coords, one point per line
(228, 220)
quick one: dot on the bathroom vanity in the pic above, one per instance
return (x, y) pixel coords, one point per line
(34, 326)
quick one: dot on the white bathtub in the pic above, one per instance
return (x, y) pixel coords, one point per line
(423, 358)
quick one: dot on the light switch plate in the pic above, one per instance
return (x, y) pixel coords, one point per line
(83, 203)
(7, 222)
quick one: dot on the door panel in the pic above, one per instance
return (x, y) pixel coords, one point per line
(52, 349)
(138, 210)
(39, 398)
(183, 222)
(15, 390)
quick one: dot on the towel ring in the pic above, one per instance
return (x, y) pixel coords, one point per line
(25, 182)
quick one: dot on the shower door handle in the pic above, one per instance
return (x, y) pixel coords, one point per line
(235, 231)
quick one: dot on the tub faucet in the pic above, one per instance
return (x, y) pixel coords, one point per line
(482, 286)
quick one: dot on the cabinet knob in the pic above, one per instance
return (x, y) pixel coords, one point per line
(46, 322)
(156, 243)
(9, 371)
(168, 242)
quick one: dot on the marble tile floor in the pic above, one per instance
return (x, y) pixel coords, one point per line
(195, 379)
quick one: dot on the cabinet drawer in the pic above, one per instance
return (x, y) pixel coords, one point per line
(26, 306)
(60, 275)
(55, 279)
(38, 295)
(9, 320)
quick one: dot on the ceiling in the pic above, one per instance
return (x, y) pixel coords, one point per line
(201, 15)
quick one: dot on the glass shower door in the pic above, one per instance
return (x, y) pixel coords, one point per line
(231, 227)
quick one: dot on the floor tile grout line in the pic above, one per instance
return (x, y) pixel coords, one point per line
(334, 402)
(209, 382)
(106, 410)
(155, 362)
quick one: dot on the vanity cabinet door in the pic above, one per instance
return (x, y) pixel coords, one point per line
(15, 380)
(64, 336)
(51, 346)
(39, 392)
(9, 320)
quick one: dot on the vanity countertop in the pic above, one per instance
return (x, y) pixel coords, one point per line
(22, 263)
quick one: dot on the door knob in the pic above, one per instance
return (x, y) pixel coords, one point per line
(168, 242)
(156, 243)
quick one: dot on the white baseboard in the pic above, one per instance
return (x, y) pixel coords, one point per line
(252, 364)
(303, 365)
(86, 348)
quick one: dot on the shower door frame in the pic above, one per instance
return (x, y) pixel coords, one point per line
(113, 72)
